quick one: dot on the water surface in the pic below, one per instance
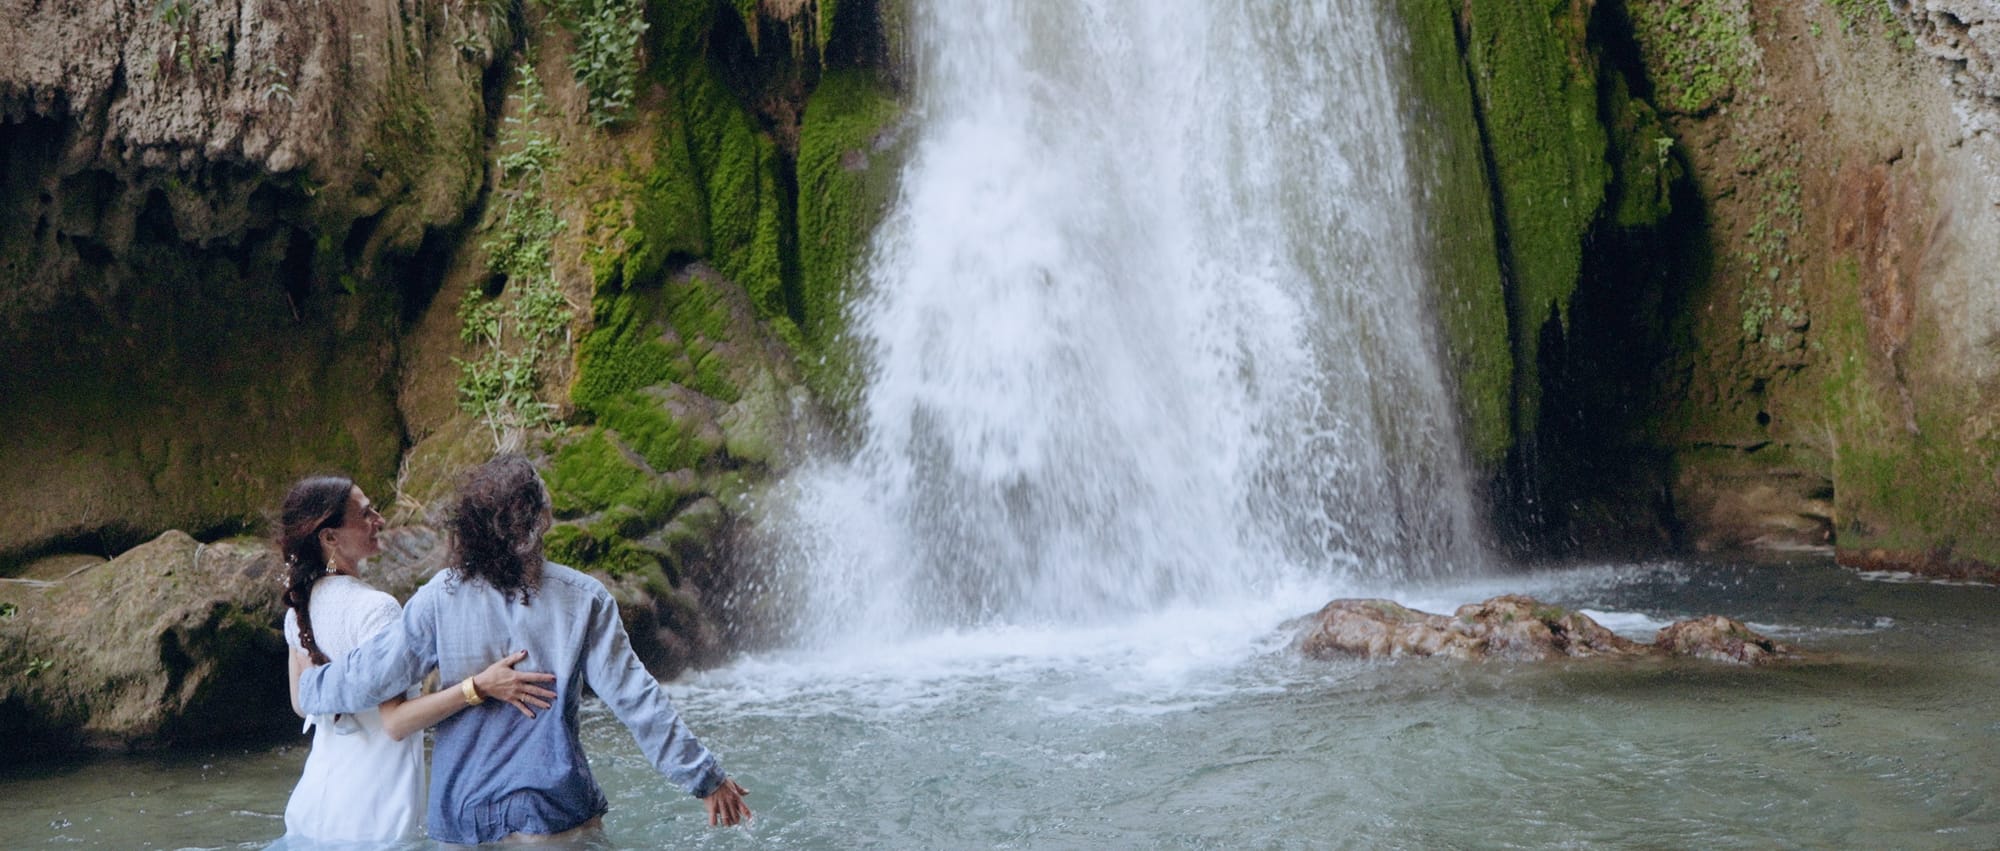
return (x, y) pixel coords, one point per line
(1196, 728)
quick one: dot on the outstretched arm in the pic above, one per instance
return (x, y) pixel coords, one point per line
(614, 672)
(401, 717)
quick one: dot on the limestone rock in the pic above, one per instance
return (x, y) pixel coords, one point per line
(1965, 36)
(1517, 628)
(1719, 639)
(1381, 629)
(174, 640)
(212, 217)
(1523, 628)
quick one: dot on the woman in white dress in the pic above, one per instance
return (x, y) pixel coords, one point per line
(364, 779)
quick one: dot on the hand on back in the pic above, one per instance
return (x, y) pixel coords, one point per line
(518, 688)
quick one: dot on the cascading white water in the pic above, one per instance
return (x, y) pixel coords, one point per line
(1146, 326)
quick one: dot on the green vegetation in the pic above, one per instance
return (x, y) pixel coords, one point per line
(1911, 472)
(1641, 153)
(692, 238)
(1535, 82)
(1701, 52)
(1853, 13)
(1773, 279)
(1469, 293)
(845, 187)
(178, 14)
(520, 331)
(606, 54)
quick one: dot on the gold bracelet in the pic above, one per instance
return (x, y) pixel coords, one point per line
(472, 697)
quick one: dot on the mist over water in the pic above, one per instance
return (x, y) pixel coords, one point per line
(1146, 326)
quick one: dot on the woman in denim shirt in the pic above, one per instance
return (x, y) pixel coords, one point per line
(496, 773)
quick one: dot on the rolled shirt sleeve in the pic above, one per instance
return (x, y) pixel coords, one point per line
(381, 668)
(636, 698)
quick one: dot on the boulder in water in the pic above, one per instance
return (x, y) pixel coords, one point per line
(174, 640)
(1518, 628)
(1720, 639)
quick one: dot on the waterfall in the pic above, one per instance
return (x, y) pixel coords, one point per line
(1146, 325)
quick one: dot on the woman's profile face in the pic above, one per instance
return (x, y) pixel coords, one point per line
(357, 537)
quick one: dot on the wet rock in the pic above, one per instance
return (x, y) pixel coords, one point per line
(1523, 628)
(1719, 639)
(174, 640)
(1381, 629)
(1517, 628)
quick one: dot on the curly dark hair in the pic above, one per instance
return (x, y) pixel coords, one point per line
(497, 526)
(315, 503)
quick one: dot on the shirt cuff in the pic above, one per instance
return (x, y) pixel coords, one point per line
(708, 777)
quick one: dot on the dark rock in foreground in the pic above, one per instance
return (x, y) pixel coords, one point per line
(1518, 628)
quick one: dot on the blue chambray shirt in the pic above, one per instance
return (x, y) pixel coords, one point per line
(493, 770)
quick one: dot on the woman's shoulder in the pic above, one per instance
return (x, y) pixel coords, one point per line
(344, 590)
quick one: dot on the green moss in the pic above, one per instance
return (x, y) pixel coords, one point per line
(1642, 157)
(828, 10)
(592, 473)
(1905, 479)
(738, 170)
(700, 314)
(1535, 81)
(665, 441)
(671, 218)
(845, 187)
(592, 548)
(625, 351)
(1700, 52)
(1469, 293)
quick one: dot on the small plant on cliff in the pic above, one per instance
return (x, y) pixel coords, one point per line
(178, 14)
(517, 332)
(1854, 12)
(607, 55)
(1772, 283)
(1703, 50)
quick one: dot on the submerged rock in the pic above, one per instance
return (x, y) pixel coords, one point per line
(1518, 628)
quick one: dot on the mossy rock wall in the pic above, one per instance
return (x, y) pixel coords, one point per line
(1542, 162)
(1469, 293)
(1534, 81)
(213, 232)
(711, 237)
(1832, 385)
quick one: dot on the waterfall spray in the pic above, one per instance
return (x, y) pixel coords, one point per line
(1146, 325)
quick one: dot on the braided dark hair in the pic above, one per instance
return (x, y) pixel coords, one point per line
(497, 526)
(315, 503)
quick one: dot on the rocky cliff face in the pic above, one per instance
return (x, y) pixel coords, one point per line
(243, 242)
(216, 216)
(1838, 381)
(1778, 329)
